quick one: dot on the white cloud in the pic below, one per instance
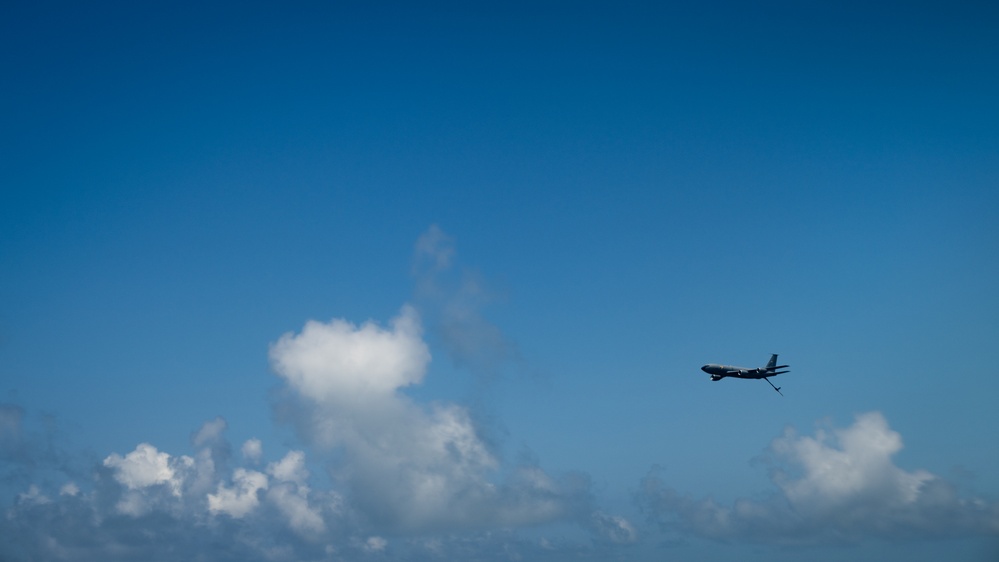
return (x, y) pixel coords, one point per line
(33, 496)
(293, 502)
(340, 362)
(613, 528)
(408, 466)
(142, 470)
(69, 489)
(848, 467)
(132, 503)
(146, 466)
(241, 498)
(840, 485)
(252, 450)
(397, 466)
(210, 432)
(419, 469)
(375, 544)
(291, 468)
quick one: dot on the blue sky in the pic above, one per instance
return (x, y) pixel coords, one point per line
(348, 281)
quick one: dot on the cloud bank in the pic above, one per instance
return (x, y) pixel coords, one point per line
(416, 483)
(377, 474)
(402, 478)
(839, 486)
(406, 479)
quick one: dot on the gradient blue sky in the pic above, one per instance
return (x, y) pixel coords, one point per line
(622, 192)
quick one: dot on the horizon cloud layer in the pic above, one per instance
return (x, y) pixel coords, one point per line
(413, 480)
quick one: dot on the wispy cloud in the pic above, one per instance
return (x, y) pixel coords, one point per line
(26, 450)
(839, 485)
(454, 303)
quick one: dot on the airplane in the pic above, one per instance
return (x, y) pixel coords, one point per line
(718, 372)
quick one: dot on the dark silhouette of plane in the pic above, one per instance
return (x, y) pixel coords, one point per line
(718, 372)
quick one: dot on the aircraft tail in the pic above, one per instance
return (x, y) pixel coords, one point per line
(773, 361)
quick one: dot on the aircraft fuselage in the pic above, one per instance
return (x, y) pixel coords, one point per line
(719, 372)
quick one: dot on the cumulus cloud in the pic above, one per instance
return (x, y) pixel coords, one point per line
(290, 469)
(408, 466)
(292, 501)
(241, 498)
(149, 504)
(339, 362)
(840, 485)
(153, 479)
(252, 450)
(146, 466)
(837, 485)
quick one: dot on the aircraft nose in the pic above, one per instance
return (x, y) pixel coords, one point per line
(704, 368)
